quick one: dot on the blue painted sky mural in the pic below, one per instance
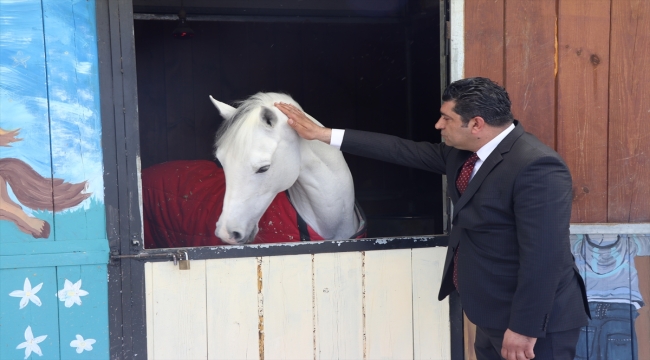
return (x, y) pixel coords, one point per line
(49, 89)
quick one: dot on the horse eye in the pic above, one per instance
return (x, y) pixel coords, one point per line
(262, 169)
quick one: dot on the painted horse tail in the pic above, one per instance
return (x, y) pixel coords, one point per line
(37, 192)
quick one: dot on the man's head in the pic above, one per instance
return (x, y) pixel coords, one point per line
(474, 111)
(482, 97)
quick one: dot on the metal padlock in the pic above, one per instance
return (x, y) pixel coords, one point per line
(184, 264)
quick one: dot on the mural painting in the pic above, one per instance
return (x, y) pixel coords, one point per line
(53, 243)
(33, 191)
(607, 263)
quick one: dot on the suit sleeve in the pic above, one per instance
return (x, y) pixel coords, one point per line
(419, 155)
(542, 208)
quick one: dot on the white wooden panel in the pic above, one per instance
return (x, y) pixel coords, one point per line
(287, 306)
(232, 314)
(148, 285)
(431, 328)
(179, 311)
(338, 304)
(388, 304)
(457, 10)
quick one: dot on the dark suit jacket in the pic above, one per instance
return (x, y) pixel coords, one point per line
(515, 267)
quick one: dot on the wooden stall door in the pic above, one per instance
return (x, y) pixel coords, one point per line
(378, 304)
(53, 246)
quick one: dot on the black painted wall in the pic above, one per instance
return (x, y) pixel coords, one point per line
(345, 75)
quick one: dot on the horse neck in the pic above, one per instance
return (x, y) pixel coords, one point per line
(323, 194)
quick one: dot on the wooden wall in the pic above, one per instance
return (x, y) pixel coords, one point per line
(577, 75)
(352, 75)
(578, 78)
(378, 304)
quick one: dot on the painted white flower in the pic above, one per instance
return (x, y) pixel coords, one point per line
(27, 294)
(71, 293)
(31, 343)
(82, 344)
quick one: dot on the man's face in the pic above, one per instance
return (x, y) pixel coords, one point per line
(451, 127)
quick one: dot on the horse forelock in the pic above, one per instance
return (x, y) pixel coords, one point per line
(230, 127)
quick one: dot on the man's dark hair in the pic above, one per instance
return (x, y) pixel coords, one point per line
(482, 97)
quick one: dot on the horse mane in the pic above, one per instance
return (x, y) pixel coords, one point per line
(233, 125)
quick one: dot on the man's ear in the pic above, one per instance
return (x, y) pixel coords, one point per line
(477, 124)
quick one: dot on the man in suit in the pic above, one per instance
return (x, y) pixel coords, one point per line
(509, 254)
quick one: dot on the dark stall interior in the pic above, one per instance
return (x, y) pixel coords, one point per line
(368, 65)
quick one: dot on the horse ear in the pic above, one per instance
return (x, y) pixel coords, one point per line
(268, 116)
(225, 110)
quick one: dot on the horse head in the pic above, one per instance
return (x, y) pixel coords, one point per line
(260, 155)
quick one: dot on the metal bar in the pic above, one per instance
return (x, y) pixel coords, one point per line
(292, 248)
(271, 19)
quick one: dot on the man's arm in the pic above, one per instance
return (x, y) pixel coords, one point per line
(420, 155)
(542, 208)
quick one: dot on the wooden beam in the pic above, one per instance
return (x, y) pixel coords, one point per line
(484, 40)
(629, 101)
(530, 64)
(582, 103)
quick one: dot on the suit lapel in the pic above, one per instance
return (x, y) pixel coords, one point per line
(495, 158)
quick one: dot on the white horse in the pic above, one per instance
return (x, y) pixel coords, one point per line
(262, 156)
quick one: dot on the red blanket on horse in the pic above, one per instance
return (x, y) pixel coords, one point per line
(183, 200)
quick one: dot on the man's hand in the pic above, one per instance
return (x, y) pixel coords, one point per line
(306, 128)
(517, 347)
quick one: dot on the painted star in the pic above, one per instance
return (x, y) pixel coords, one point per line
(20, 60)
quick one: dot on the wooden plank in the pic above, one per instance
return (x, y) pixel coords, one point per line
(148, 285)
(582, 103)
(40, 311)
(642, 325)
(338, 306)
(181, 131)
(75, 124)
(388, 304)
(237, 59)
(530, 65)
(232, 316)
(629, 100)
(206, 55)
(152, 99)
(579, 253)
(179, 308)
(484, 39)
(75, 258)
(431, 327)
(627, 243)
(85, 322)
(120, 120)
(287, 307)
(24, 103)
(288, 54)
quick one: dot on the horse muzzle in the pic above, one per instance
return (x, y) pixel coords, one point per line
(234, 236)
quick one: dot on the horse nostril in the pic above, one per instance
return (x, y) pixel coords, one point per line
(236, 235)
